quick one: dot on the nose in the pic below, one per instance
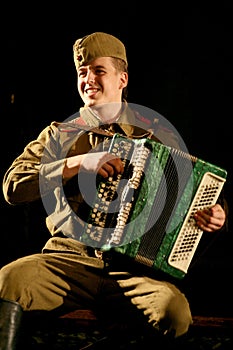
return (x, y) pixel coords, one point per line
(90, 77)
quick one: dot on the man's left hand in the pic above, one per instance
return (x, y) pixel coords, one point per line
(211, 219)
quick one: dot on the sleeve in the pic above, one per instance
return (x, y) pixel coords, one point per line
(38, 164)
(224, 204)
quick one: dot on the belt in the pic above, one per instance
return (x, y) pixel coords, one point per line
(105, 256)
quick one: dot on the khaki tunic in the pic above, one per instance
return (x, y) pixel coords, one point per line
(37, 172)
(67, 274)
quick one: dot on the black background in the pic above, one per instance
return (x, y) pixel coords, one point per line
(180, 65)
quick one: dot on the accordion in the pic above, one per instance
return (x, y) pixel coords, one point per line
(147, 213)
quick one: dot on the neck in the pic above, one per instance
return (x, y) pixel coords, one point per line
(107, 113)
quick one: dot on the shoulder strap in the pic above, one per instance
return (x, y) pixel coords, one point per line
(81, 125)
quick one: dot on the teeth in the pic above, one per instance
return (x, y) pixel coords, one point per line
(91, 90)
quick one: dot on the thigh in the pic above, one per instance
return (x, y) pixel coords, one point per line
(49, 282)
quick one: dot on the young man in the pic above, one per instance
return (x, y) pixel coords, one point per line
(59, 166)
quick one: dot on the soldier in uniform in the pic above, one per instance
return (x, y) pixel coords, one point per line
(68, 273)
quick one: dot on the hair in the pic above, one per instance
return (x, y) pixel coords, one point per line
(121, 66)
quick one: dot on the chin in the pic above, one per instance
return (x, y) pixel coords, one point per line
(89, 103)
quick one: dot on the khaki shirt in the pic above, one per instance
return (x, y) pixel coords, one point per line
(37, 172)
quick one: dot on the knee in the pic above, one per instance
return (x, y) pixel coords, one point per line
(179, 313)
(163, 303)
(8, 278)
(12, 281)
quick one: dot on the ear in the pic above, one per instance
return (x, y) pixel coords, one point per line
(123, 80)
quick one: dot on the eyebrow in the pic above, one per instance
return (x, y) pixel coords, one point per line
(92, 67)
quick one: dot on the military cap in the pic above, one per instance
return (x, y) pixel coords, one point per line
(96, 45)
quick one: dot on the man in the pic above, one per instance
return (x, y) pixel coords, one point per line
(59, 167)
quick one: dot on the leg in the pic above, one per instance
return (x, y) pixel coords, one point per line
(10, 322)
(166, 308)
(39, 284)
(49, 282)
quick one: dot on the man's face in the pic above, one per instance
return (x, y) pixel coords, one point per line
(100, 82)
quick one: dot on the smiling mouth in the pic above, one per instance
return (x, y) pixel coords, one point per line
(91, 90)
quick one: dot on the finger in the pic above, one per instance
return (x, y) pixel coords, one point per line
(211, 216)
(102, 172)
(108, 169)
(208, 226)
(117, 165)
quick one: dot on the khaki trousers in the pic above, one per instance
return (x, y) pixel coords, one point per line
(59, 282)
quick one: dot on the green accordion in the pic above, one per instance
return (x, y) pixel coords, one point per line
(147, 213)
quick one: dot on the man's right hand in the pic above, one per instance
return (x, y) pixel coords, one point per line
(102, 163)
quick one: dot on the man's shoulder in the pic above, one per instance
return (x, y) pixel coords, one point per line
(161, 132)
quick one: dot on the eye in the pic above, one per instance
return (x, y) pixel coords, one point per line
(81, 74)
(99, 71)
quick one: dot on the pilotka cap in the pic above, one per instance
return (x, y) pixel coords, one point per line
(97, 45)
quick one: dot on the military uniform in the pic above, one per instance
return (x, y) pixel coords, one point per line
(67, 274)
